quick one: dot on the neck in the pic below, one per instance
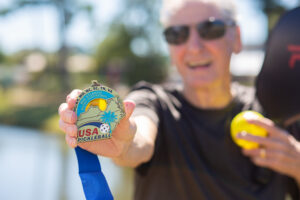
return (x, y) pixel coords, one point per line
(214, 96)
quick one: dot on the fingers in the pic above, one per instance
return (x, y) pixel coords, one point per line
(71, 98)
(71, 133)
(270, 127)
(71, 141)
(62, 107)
(263, 141)
(68, 118)
(275, 164)
(269, 154)
(276, 160)
(278, 151)
(66, 114)
(69, 129)
(65, 109)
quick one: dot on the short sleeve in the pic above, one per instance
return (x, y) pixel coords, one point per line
(146, 101)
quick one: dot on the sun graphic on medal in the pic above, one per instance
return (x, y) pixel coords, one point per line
(101, 103)
(107, 117)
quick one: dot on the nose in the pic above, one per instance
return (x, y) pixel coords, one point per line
(195, 43)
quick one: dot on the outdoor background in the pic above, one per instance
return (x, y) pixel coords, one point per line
(49, 47)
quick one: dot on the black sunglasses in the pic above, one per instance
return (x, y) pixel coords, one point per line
(207, 30)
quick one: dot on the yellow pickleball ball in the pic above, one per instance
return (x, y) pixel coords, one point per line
(239, 124)
(101, 103)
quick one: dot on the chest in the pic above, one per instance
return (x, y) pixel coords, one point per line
(199, 139)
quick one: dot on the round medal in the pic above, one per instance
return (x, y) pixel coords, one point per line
(99, 109)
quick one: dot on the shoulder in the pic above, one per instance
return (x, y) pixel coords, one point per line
(160, 91)
(242, 92)
(143, 85)
(245, 95)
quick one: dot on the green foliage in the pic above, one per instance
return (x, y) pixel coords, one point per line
(2, 57)
(115, 46)
(152, 68)
(67, 10)
(273, 9)
(115, 54)
(27, 116)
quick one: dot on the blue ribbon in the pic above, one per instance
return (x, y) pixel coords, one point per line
(93, 181)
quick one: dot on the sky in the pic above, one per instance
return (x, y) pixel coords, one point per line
(38, 27)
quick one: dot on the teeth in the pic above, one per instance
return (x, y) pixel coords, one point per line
(196, 64)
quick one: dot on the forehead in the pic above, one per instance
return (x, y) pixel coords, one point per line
(194, 12)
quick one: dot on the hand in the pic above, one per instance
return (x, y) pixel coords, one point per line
(280, 151)
(122, 136)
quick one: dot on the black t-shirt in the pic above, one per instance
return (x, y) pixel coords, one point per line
(194, 156)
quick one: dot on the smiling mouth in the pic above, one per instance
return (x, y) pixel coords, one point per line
(199, 65)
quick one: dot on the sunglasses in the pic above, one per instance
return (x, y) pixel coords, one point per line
(210, 29)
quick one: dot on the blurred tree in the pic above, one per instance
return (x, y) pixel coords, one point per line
(273, 10)
(66, 10)
(132, 50)
(2, 57)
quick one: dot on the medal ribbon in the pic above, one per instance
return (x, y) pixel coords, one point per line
(93, 181)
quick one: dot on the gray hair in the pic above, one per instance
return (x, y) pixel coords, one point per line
(169, 7)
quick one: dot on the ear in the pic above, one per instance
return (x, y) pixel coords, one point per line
(237, 47)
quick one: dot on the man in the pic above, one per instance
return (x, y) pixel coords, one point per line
(178, 138)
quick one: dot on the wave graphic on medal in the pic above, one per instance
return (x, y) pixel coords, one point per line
(99, 109)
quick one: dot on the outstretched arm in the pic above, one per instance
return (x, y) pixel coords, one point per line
(132, 141)
(141, 148)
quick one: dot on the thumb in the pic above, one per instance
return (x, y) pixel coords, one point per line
(126, 129)
(129, 108)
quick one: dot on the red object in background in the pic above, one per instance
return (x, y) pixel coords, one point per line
(295, 50)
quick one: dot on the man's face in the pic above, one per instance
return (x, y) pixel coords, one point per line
(201, 62)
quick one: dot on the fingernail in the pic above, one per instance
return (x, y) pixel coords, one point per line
(250, 120)
(241, 134)
(127, 107)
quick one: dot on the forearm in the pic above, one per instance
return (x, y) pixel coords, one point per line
(136, 152)
(141, 148)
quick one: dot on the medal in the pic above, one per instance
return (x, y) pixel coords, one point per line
(99, 109)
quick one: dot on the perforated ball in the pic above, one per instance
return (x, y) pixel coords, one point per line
(104, 128)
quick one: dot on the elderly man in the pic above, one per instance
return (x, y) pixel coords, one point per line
(177, 138)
